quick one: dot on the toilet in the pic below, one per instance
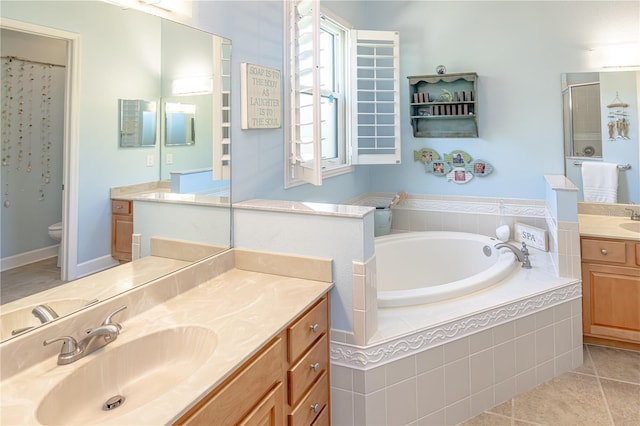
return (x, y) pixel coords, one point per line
(55, 232)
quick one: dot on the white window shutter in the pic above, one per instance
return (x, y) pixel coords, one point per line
(222, 119)
(375, 67)
(305, 129)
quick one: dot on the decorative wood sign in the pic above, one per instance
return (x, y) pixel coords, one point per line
(261, 97)
(534, 237)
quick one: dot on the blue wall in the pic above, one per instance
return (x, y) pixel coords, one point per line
(519, 50)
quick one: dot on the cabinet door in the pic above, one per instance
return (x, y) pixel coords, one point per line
(612, 296)
(269, 411)
(122, 234)
(229, 404)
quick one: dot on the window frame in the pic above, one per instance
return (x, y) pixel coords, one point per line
(314, 171)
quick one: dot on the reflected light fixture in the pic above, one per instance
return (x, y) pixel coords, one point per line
(162, 4)
(192, 85)
(623, 55)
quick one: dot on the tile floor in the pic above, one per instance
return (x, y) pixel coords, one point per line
(29, 279)
(605, 390)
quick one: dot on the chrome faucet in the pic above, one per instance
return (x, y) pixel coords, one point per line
(44, 313)
(634, 214)
(73, 350)
(521, 254)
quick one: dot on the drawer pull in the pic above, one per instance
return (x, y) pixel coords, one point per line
(119, 207)
(315, 367)
(604, 251)
(315, 407)
(314, 328)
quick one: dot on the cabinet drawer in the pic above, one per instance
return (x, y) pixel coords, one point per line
(120, 207)
(312, 404)
(307, 330)
(323, 418)
(603, 251)
(638, 254)
(307, 370)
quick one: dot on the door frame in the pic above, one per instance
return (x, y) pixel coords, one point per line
(71, 143)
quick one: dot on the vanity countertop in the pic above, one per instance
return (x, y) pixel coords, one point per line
(172, 197)
(602, 226)
(245, 309)
(129, 192)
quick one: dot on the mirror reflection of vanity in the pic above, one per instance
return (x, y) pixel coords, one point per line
(593, 131)
(206, 139)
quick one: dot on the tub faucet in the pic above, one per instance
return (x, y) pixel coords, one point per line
(73, 350)
(44, 313)
(521, 254)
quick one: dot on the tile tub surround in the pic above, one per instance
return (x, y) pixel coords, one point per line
(524, 331)
(482, 215)
(452, 382)
(211, 293)
(478, 215)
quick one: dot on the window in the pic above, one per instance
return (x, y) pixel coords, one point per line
(334, 124)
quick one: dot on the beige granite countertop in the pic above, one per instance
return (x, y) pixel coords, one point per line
(129, 192)
(244, 309)
(601, 226)
(324, 209)
(100, 286)
(172, 197)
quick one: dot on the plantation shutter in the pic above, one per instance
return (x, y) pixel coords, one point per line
(375, 67)
(222, 97)
(305, 133)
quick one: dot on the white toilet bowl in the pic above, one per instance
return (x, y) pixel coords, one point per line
(55, 232)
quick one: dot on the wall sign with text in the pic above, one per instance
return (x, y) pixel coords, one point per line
(260, 97)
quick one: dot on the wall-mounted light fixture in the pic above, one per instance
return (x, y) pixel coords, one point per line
(192, 85)
(623, 55)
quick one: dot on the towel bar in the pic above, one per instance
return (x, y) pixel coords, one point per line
(620, 166)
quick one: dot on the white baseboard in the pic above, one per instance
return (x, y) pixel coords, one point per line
(95, 265)
(26, 258)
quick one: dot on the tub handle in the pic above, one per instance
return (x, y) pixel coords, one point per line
(604, 252)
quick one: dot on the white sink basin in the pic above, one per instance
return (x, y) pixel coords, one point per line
(22, 318)
(140, 371)
(631, 226)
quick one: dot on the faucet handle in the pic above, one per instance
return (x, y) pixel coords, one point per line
(70, 345)
(634, 214)
(109, 319)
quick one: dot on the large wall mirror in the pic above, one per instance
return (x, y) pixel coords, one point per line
(600, 117)
(108, 71)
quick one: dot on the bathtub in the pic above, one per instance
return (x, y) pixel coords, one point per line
(424, 267)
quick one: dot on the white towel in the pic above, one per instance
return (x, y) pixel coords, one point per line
(600, 182)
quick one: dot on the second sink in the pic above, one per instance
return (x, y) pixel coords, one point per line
(631, 226)
(126, 377)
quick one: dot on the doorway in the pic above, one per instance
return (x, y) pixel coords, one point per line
(24, 119)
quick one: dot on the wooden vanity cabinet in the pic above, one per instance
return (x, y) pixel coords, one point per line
(611, 289)
(285, 383)
(121, 229)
